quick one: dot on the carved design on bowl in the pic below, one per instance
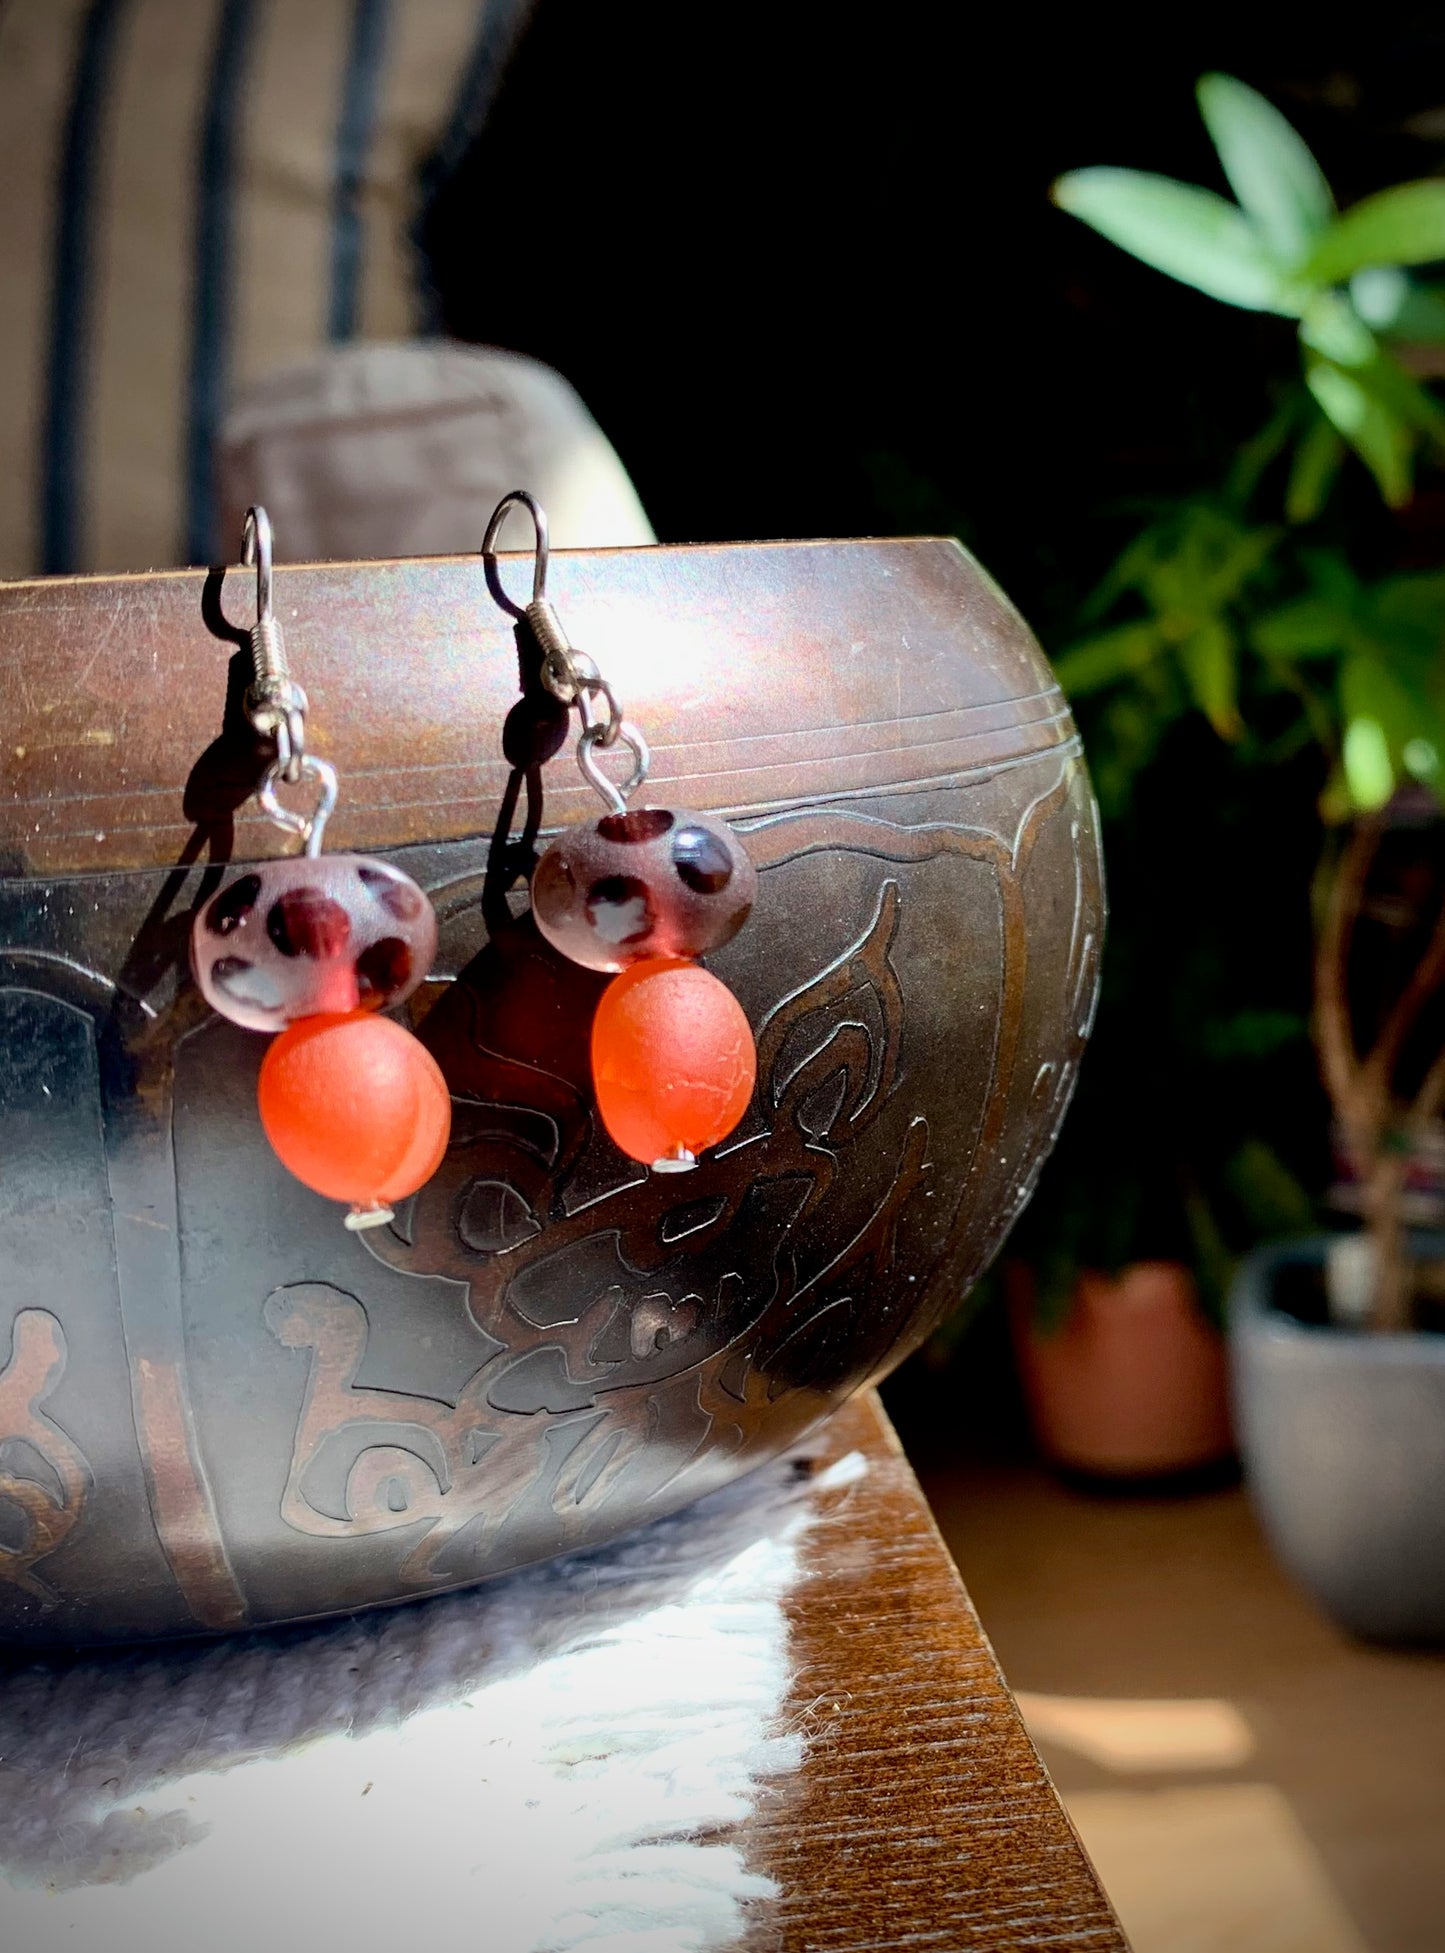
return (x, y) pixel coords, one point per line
(44, 1477)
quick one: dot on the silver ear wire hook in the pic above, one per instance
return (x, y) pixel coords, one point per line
(568, 674)
(275, 703)
(256, 548)
(541, 544)
(564, 671)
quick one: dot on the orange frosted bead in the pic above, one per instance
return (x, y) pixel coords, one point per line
(355, 1107)
(673, 1061)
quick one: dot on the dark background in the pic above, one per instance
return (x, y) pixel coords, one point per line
(801, 263)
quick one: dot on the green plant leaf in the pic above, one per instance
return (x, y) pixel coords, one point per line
(1190, 234)
(1421, 318)
(1391, 302)
(1403, 225)
(1274, 1200)
(1378, 294)
(1384, 713)
(1101, 661)
(1330, 571)
(1129, 571)
(1211, 666)
(1425, 762)
(1203, 559)
(1277, 181)
(1213, 1263)
(1256, 455)
(1128, 731)
(1332, 326)
(1388, 684)
(1410, 611)
(1232, 556)
(1403, 396)
(1382, 442)
(1368, 772)
(1310, 627)
(1312, 472)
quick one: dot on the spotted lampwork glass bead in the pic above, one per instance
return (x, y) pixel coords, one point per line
(310, 934)
(650, 882)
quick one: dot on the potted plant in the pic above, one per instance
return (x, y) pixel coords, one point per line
(1244, 610)
(1190, 1136)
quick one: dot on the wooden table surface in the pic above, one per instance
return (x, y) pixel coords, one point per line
(922, 1816)
(375, 1780)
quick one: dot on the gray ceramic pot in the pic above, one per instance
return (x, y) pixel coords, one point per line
(1343, 1438)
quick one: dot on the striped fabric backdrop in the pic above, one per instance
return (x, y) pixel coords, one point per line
(196, 192)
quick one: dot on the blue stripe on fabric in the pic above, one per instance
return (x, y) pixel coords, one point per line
(209, 373)
(68, 366)
(499, 27)
(360, 93)
(499, 23)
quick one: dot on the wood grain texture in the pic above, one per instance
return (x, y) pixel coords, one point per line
(923, 1817)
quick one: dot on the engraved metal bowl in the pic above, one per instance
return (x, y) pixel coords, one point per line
(218, 1408)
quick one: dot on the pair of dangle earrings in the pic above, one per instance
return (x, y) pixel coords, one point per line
(314, 948)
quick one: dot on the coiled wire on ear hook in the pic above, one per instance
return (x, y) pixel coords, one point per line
(275, 704)
(569, 674)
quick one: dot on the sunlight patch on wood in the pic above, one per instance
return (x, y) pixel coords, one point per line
(1118, 1735)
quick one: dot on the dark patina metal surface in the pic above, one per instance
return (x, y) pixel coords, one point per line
(219, 1408)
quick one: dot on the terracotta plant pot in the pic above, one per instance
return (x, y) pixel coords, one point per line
(1135, 1383)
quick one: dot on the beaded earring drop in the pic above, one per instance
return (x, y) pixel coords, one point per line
(642, 892)
(315, 947)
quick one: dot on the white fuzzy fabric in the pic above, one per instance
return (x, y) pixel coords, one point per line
(554, 1761)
